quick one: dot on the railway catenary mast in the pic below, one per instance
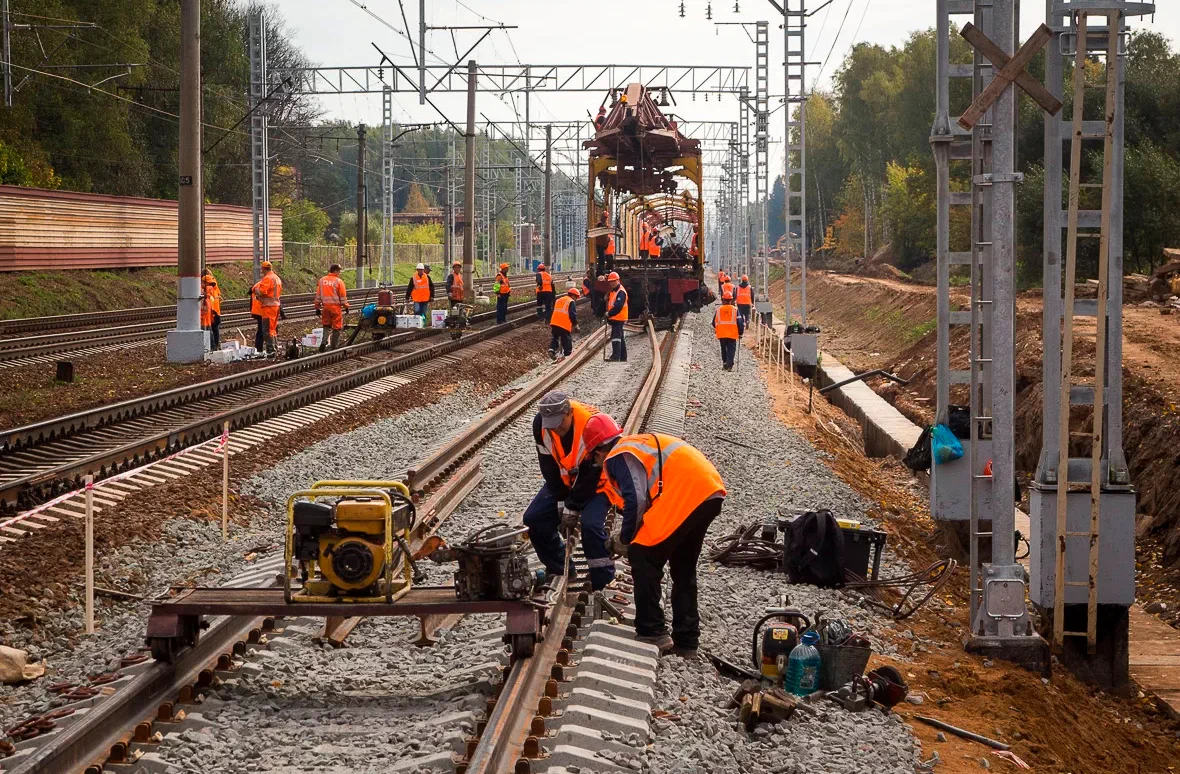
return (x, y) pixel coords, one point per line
(635, 157)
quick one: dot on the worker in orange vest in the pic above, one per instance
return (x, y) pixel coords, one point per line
(211, 308)
(644, 238)
(455, 284)
(545, 294)
(617, 312)
(600, 119)
(744, 296)
(668, 494)
(562, 323)
(728, 326)
(420, 290)
(571, 493)
(268, 292)
(728, 286)
(331, 301)
(502, 289)
(653, 245)
(721, 280)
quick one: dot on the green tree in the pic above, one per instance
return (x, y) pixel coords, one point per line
(304, 222)
(908, 209)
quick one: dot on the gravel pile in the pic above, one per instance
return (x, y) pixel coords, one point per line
(785, 473)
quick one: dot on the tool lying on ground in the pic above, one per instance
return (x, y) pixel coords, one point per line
(778, 640)
(348, 549)
(758, 704)
(883, 687)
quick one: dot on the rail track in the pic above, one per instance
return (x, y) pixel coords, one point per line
(47, 339)
(147, 697)
(49, 457)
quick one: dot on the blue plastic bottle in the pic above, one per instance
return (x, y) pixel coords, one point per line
(803, 666)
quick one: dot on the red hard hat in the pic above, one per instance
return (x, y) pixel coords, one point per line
(599, 429)
(613, 276)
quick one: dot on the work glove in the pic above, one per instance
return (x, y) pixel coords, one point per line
(570, 520)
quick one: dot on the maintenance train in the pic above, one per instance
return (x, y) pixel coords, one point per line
(637, 159)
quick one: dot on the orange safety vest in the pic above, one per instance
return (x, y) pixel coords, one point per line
(457, 286)
(745, 295)
(727, 285)
(569, 460)
(561, 314)
(211, 303)
(679, 479)
(331, 291)
(421, 290)
(502, 278)
(610, 246)
(653, 248)
(268, 291)
(610, 304)
(546, 285)
(726, 322)
(643, 236)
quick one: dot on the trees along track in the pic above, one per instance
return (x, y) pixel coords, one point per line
(48, 339)
(42, 459)
(147, 695)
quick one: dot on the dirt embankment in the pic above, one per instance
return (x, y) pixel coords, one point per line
(883, 323)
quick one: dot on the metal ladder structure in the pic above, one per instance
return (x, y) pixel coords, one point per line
(795, 158)
(762, 145)
(385, 271)
(1073, 392)
(259, 150)
(744, 177)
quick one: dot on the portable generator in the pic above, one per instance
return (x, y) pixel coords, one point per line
(778, 640)
(351, 542)
(385, 314)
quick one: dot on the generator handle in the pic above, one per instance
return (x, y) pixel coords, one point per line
(790, 614)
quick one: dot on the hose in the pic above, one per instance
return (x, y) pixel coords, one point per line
(743, 549)
(935, 577)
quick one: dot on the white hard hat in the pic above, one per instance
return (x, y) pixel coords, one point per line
(420, 266)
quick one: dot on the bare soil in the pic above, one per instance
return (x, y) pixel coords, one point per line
(1060, 725)
(889, 323)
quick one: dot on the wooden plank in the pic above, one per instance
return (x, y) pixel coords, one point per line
(1010, 71)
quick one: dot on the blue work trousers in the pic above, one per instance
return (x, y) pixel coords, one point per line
(617, 341)
(544, 523)
(422, 309)
(502, 308)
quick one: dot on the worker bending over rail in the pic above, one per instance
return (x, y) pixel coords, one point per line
(420, 290)
(545, 294)
(728, 326)
(265, 305)
(503, 290)
(211, 308)
(455, 284)
(570, 495)
(331, 301)
(562, 323)
(668, 494)
(616, 313)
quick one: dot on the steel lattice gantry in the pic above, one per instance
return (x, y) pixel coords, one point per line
(1115, 528)
(259, 149)
(973, 495)
(761, 148)
(804, 346)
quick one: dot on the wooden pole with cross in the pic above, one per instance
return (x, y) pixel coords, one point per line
(1009, 70)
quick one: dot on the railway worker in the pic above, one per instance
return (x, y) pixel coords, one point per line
(744, 296)
(268, 291)
(502, 289)
(653, 245)
(644, 238)
(331, 301)
(569, 495)
(728, 326)
(562, 323)
(211, 308)
(420, 290)
(693, 249)
(668, 494)
(721, 280)
(728, 286)
(588, 283)
(455, 284)
(545, 294)
(600, 119)
(616, 313)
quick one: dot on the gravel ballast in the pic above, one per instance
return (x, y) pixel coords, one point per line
(786, 472)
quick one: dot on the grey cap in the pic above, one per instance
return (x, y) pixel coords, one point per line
(553, 407)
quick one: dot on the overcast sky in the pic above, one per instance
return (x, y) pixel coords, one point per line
(339, 33)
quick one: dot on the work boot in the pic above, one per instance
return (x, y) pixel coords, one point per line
(552, 354)
(272, 344)
(663, 642)
(335, 338)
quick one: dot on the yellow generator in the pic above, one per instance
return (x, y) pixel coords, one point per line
(350, 540)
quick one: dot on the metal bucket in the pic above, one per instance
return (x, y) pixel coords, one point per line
(840, 663)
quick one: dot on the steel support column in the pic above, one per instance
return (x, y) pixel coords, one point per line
(259, 148)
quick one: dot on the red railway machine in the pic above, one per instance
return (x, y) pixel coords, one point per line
(638, 160)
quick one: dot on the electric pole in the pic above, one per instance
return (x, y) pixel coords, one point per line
(187, 343)
(469, 190)
(362, 220)
(549, 196)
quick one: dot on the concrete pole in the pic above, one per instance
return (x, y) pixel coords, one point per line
(188, 342)
(469, 189)
(6, 34)
(362, 216)
(421, 52)
(549, 197)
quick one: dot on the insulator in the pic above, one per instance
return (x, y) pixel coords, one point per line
(736, 7)
(682, 10)
(709, 11)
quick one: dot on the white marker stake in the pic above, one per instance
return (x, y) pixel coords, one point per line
(225, 483)
(90, 554)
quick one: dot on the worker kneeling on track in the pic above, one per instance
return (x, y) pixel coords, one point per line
(668, 493)
(570, 493)
(562, 323)
(331, 301)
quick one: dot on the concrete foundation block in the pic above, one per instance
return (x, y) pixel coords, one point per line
(604, 720)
